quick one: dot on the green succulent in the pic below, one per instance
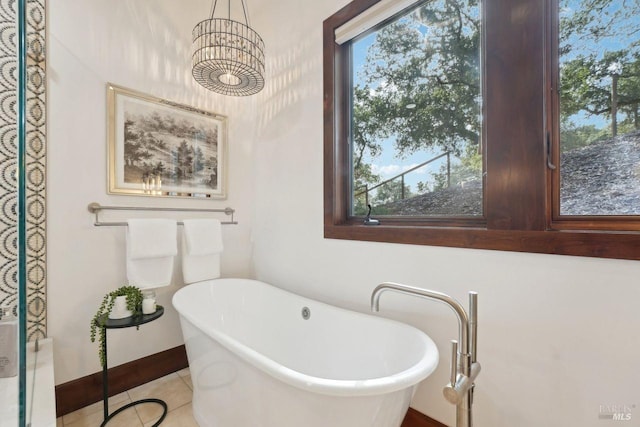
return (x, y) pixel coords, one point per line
(134, 304)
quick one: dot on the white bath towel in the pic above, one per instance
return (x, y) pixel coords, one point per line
(151, 247)
(152, 238)
(201, 248)
(203, 236)
(196, 268)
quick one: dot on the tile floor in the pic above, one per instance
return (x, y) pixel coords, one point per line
(175, 389)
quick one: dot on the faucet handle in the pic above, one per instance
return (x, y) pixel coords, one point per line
(455, 392)
(473, 326)
(454, 362)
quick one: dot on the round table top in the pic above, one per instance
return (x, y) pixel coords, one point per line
(127, 322)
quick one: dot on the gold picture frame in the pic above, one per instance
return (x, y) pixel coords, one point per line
(164, 149)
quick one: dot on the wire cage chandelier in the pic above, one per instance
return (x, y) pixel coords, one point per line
(228, 56)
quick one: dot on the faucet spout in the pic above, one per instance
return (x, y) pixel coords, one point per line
(464, 367)
(463, 319)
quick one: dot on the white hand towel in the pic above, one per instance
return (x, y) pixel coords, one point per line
(151, 246)
(150, 272)
(203, 236)
(196, 268)
(152, 238)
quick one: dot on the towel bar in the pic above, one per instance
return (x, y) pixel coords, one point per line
(95, 209)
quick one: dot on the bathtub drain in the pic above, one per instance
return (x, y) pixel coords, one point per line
(306, 313)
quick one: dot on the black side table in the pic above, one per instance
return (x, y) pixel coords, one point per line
(105, 323)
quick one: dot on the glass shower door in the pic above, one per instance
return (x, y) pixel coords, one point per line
(15, 386)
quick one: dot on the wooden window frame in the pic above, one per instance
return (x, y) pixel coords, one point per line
(558, 221)
(518, 197)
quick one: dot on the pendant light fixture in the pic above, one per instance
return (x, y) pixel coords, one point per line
(228, 56)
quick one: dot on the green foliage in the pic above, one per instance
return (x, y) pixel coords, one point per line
(382, 210)
(367, 130)
(629, 88)
(134, 304)
(580, 136)
(586, 83)
(391, 192)
(360, 203)
(363, 178)
(595, 21)
(467, 169)
(435, 68)
(437, 71)
(423, 187)
(589, 65)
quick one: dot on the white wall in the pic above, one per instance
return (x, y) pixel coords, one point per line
(144, 45)
(558, 335)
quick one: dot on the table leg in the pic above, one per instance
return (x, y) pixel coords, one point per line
(105, 379)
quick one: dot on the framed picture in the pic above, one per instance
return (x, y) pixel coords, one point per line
(160, 148)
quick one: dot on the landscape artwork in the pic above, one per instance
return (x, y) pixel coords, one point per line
(159, 148)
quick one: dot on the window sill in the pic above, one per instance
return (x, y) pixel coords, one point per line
(618, 245)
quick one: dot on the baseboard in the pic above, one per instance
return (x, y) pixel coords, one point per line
(417, 419)
(84, 391)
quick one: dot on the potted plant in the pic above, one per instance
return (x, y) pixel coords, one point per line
(133, 297)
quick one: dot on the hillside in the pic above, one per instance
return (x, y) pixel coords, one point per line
(603, 178)
(600, 179)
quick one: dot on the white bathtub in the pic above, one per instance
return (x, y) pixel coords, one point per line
(256, 362)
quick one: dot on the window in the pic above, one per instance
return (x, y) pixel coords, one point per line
(598, 53)
(523, 125)
(415, 106)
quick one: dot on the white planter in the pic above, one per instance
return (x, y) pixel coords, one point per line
(119, 310)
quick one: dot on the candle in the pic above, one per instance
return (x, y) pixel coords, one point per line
(148, 306)
(149, 302)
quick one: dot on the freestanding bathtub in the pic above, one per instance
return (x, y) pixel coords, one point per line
(260, 356)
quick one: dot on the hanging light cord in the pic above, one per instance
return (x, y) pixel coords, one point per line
(213, 8)
(244, 10)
